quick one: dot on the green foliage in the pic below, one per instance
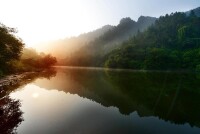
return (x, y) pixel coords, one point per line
(181, 33)
(126, 57)
(172, 43)
(161, 59)
(16, 66)
(10, 46)
(95, 52)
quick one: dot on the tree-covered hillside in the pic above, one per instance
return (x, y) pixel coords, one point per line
(196, 11)
(92, 53)
(173, 42)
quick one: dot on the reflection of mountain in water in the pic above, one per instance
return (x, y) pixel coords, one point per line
(170, 96)
(10, 113)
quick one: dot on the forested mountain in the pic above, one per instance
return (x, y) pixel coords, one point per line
(196, 11)
(108, 35)
(99, 47)
(173, 42)
(64, 47)
(144, 22)
(170, 42)
(120, 33)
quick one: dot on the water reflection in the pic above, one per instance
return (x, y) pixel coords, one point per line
(10, 112)
(106, 101)
(55, 112)
(10, 115)
(24, 79)
(171, 96)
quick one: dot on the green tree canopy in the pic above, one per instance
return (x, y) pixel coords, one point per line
(10, 46)
(173, 42)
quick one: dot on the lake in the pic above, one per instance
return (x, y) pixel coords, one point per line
(66, 100)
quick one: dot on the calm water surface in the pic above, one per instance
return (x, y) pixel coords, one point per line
(97, 101)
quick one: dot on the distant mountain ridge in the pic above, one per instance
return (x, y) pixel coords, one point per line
(107, 38)
(123, 31)
(196, 11)
(108, 35)
(113, 38)
(64, 47)
(144, 21)
(118, 34)
(172, 43)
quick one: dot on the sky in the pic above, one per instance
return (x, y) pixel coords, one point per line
(39, 21)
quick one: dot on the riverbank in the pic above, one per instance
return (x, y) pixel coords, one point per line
(13, 79)
(11, 82)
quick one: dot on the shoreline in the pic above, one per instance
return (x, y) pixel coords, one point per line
(11, 82)
(123, 69)
(13, 79)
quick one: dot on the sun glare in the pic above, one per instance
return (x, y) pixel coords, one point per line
(59, 20)
(43, 21)
(35, 95)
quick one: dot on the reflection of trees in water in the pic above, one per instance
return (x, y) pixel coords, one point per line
(170, 96)
(10, 115)
(27, 78)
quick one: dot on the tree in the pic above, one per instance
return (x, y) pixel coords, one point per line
(48, 61)
(171, 43)
(10, 46)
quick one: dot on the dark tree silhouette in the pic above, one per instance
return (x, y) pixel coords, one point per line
(10, 115)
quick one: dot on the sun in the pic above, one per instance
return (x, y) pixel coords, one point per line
(35, 95)
(67, 19)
